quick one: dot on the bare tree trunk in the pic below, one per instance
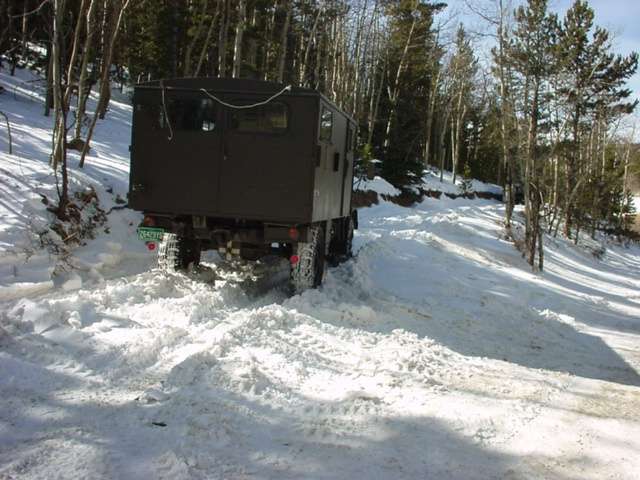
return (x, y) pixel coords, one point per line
(441, 141)
(375, 103)
(105, 33)
(222, 39)
(23, 35)
(357, 59)
(307, 50)
(48, 100)
(540, 250)
(452, 135)
(433, 95)
(105, 78)
(531, 186)
(207, 40)
(186, 68)
(74, 52)
(83, 90)
(316, 69)
(56, 62)
(554, 194)
(6, 32)
(625, 177)
(572, 161)
(59, 153)
(282, 56)
(395, 90)
(461, 112)
(507, 118)
(267, 41)
(334, 66)
(237, 46)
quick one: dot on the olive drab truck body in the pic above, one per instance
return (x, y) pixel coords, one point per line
(245, 167)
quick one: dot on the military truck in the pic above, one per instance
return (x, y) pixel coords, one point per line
(245, 167)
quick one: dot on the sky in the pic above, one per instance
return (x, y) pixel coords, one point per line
(620, 17)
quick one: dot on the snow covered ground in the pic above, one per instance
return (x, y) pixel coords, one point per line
(434, 353)
(26, 178)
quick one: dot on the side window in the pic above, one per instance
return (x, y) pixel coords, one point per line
(208, 110)
(190, 115)
(270, 118)
(349, 139)
(151, 113)
(326, 124)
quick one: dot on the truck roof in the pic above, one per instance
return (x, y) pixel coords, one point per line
(233, 85)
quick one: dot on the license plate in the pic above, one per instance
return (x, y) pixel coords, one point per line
(150, 234)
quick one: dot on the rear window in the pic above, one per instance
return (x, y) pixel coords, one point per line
(270, 118)
(152, 114)
(190, 114)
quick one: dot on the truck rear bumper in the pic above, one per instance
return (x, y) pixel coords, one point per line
(221, 231)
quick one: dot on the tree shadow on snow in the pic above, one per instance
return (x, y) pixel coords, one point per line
(204, 430)
(478, 306)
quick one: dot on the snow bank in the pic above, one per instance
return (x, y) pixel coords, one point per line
(431, 181)
(32, 256)
(378, 185)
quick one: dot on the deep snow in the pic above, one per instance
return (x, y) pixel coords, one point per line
(434, 353)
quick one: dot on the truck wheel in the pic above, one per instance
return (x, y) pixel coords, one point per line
(348, 243)
(340, 248)
(177, 253)
(308, 272)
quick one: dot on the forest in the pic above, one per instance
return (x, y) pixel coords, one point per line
(546, 113)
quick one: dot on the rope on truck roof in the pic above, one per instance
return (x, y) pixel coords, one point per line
(220, 101)
(241, 107)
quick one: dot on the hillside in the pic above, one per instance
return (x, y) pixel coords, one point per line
(433, 353)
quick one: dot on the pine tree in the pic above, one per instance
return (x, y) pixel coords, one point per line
(463, 70)
(531, 54)
(594, 94)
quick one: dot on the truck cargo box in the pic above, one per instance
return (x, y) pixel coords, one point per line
(287, 159)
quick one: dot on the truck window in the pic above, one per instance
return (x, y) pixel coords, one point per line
(151, 114)
(326, 124)
(349, 139)
(270, 118)
(190, 114)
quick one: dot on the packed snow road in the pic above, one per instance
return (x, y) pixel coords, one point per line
(432, 354)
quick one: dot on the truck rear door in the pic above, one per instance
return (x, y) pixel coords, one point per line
(265, 168)
(176, 153)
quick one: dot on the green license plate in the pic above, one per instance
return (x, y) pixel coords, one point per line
(150, 234)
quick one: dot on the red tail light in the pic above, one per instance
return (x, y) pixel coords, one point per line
(149, 221)
(294, 259)
(151, 246)
(294, 234)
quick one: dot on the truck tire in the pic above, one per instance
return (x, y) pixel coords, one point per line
(349, 240)
(178, 253)
(341, 246)
(308, 272)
